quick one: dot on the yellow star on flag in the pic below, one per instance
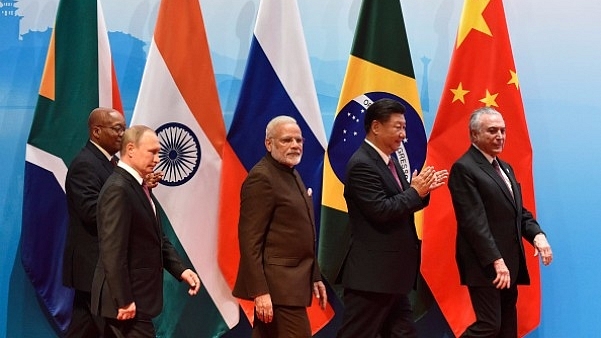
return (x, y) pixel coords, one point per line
(459, 93)
(514, 79)
(472, 18)
(490, 100)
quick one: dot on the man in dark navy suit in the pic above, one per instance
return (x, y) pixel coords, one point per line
(86, 175)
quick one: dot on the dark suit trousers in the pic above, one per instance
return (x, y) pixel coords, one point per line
(133, 328)
(369, 314)
(496, 313)
(288, 322)
(83, 323)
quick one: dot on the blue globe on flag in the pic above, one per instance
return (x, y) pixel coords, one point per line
(348, 132)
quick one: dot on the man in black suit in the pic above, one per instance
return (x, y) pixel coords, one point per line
(382, 262)
(491, 222)
(127, 289)
(86, 175)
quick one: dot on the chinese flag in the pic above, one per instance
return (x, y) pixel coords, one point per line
(482, 73)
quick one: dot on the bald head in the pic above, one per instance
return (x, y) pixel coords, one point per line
(106, 127)
(100, 116)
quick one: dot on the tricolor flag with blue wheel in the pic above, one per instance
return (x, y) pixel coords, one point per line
(178, 98)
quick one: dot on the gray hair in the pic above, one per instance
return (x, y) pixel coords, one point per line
(475, 117)
(276, 122)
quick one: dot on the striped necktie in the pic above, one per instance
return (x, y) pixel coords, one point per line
(505, 179)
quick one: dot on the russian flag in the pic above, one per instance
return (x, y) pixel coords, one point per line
(277, 81)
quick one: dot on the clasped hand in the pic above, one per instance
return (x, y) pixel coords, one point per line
(193, 280)
(428, 179)
(152, 180)
(127, 312)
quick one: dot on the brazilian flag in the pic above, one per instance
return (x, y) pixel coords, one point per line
(379, 66)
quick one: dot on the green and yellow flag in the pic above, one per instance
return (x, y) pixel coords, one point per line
(78, 77)
(379, 66)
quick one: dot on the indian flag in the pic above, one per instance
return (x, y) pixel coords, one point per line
(78, 77)
(178, 98)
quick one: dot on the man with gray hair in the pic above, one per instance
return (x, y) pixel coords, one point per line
(278, 269)
(491, 221)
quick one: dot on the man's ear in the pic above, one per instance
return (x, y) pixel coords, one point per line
(375, 127)
(96, 132)
(129, 148)
(473, 135)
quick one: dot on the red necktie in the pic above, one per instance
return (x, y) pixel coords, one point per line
(147, 192)
(495, 165)
(394, 173)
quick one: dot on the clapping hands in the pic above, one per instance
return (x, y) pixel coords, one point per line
(428, 179)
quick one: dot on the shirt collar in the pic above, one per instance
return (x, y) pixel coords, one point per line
(385, 157)
(104, 152)
(131, 171)
(277, 164)
(488, 157)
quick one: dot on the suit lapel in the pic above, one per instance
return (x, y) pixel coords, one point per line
(383, 168)
(142, 199)
(146, 203)
(400, 173)
(155, 213)
(490, 171)
(514, 183)
(106, 164)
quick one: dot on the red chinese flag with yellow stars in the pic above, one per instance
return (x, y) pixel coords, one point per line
(482, 73)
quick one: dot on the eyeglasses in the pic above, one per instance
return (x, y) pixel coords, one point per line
(117, 129)
(288, 140)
